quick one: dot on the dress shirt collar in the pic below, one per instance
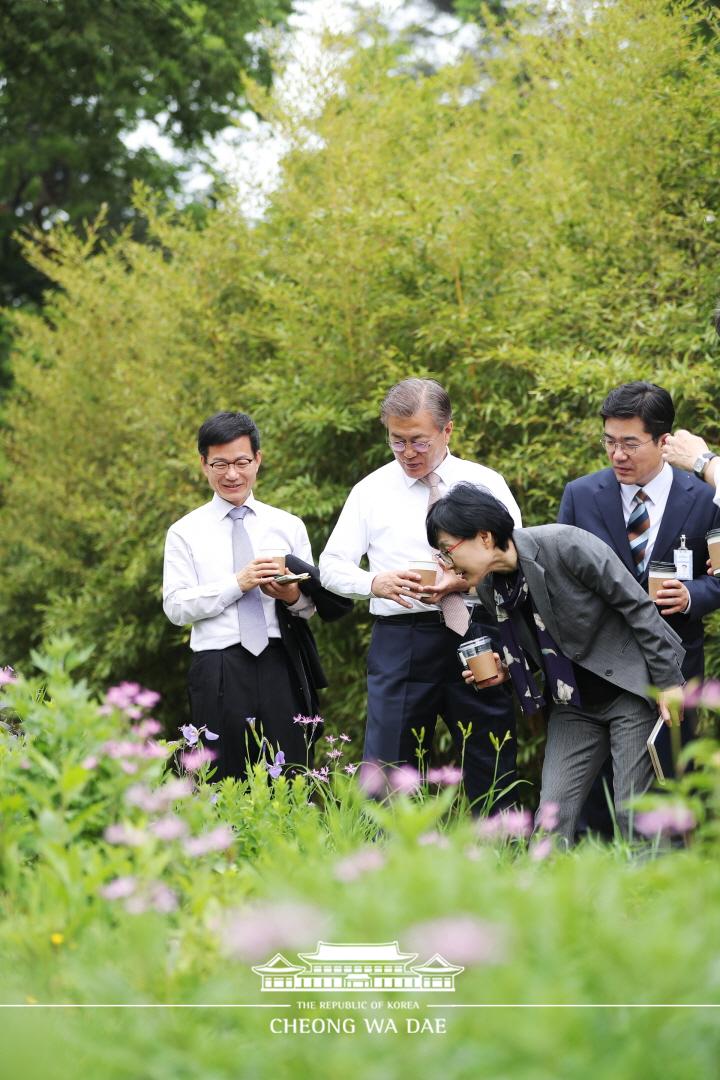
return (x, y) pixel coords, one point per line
(220, 508)
(657, 489)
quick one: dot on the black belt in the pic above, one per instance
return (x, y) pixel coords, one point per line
(417, 617)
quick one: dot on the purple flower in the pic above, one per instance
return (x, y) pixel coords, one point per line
(665, 821)
(345, 738)
(190, 734)
(351, 868)
(210, 735)
(320, 774)
(170, 827)
(334, 754)
(331, 739)
(307, 721)
(119, 888)
(461, 939)
(217, 839)
(195, 759)
(446, 775)
(7, 675)
(506, 825)
(252, 933)
(276, 768)
(548, 816)
(351, 769)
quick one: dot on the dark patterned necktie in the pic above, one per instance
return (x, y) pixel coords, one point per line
(251, 616)
(455, 614)
(637, 531)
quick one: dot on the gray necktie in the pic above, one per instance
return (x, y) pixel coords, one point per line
(456, 615)
(253, 629)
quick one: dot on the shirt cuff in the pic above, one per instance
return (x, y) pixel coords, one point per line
(230, 592)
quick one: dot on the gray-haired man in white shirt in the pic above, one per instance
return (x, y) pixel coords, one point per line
(413, 669)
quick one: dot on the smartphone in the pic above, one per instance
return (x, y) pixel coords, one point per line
(285, 579)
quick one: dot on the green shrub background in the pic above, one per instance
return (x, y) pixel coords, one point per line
(530, 227)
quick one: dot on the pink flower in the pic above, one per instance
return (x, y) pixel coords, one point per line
(119, 888)
(129, 767)
(307, 721)
(351, 868)
(170, 827)
(7, 675)
(217, 839)
(665, 821)
(446, 775)
(461, 939)
(320, 774)
(195, 759)
(372, 779)
(125, 834)
(351, 769)
(334, 754)
(404, 779)
(147, 699)
(507, 824)
(710, 696)
(548, 816)
(345, 738)
(541, 849)
(435, 839)
(90, 762)
(162, 898)
(147, 728)
(152, 749)
(331, 739)
(253, 933)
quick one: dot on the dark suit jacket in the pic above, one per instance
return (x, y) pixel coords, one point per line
(594, 503)
(595, 609)
(298, 638)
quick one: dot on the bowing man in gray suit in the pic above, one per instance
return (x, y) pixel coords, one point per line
(568, 607)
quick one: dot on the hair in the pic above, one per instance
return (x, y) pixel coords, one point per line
(649, 402)
(225, 427)
(411, 395)
(466, 510)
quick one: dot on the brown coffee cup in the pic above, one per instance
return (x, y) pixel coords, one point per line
(478, 655)
(657, 573)
(713, 543)
(277, 555)
(428, 572)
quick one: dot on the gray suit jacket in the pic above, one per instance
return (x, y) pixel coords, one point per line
(597, 612)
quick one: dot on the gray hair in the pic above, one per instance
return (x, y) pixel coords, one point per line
(411, 395)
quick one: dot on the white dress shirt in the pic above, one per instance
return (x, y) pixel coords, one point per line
(716, 497)
(384, 518)
(199, 583)
(657, 491)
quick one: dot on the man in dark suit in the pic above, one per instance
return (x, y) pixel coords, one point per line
(645, 509)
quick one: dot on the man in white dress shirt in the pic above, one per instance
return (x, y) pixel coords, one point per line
(413, 666)
(241, 683)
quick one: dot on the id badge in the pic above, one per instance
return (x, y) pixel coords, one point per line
(683, 558)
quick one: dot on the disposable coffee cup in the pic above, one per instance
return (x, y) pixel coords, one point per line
(428, 572)
(277, 554)
(657, 573)
(713, 543)
(478, 656)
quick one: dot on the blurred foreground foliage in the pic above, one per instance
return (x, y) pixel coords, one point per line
(530, 227)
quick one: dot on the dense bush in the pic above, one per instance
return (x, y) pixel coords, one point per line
(530, 227)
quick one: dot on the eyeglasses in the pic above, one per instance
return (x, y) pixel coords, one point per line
(420, 446)
(445, 556)
(221, 466)
(628, 446)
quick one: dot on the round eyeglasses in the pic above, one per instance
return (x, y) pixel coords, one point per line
(628, 446)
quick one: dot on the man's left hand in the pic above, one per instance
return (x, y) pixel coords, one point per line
(288, 593)
(670, 705)
(673, 598)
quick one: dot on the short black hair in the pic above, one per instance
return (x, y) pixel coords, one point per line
(225, 427)
(466, 510)
(651, 403)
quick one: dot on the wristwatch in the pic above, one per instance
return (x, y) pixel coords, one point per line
(702, 462)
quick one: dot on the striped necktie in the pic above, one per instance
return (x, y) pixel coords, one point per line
(637, 531)
(455, 614)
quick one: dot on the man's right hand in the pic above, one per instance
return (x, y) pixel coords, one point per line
(257, 572)
(393, 584)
